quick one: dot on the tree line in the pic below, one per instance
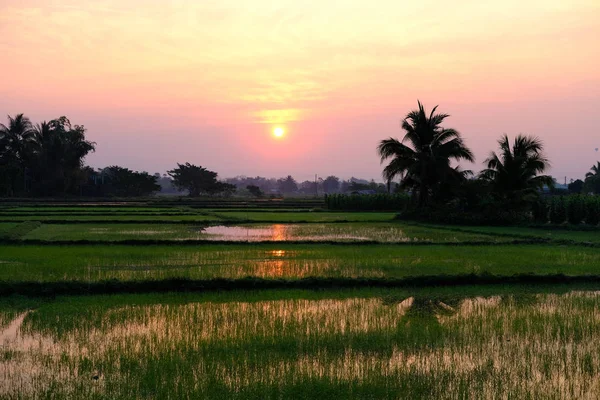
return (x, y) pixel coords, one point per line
(511, 183)
(47, 159)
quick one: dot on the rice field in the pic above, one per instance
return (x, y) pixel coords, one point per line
(590, 235)
(218, 312)
(386, 344)
(90, 263)
(314, 232)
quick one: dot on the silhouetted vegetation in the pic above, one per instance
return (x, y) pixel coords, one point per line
(592, 180)
(122, 182)
(425, 165)
(576, 186)
(377, 202)
(42, 160)
(287, 185)
(255, 191)
(514, 174)
(197, 180)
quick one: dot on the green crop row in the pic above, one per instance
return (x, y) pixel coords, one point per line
(358, 202)
(574, 209)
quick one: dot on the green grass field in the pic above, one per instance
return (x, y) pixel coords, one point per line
(306, 216)
(126, 263)
(314, 232)
(396, 316)
(591, 235)
(367, 343)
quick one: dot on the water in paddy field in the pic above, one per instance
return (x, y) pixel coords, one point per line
(278, 232)
(389, 343)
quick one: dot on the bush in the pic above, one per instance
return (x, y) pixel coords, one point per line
(453, 216)
(592, 210)
(558, 212)
(575, 209)
(539, 210)
(367, 202)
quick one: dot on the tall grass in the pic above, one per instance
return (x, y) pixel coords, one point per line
(392, 345)
(574, 209)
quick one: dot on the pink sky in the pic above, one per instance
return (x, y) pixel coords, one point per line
(158, 82)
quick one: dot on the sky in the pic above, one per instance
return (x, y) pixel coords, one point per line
(158, 82)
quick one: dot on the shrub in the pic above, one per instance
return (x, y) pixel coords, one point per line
(367, 202)
(575, 209)
(539, 210)
(592, 210)
(558, 212)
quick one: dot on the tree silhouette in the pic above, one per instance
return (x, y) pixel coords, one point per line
(424, 164)
(592, 179)
(331, 184)
(16, 143)
(287, 185)
(514, 174)
(198, 180)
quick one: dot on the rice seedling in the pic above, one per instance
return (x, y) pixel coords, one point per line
(88, 263)
(314, 232)
(351, 344)
(581, 236)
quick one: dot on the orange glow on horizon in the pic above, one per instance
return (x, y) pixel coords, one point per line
(300, 87)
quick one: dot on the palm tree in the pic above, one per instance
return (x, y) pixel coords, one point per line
(424, 164)
(60, 150)
(592, 179)
(16, 144)
(514, 174)
(595, 171)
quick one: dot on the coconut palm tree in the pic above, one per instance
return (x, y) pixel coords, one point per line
(592, 179)
(424, 162)
(60, 150)
(16, 144)
(514, 173)
(595, 171)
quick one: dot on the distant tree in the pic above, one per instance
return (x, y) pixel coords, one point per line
(198, 180)
(287, 185)
(255, 191)
(592, 180)
(331, 184)
(576, 186)
(424, 165)
(514, 174)
(356, 186)
(123, 182)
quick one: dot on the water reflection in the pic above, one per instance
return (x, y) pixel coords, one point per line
(287, 232)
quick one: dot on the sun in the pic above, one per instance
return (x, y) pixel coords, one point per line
(278, 132)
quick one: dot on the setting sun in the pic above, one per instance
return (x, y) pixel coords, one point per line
(278, 132)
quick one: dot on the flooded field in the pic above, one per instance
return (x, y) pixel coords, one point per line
(292, 344)
(313, 232)
(94, 263)
(192, 332)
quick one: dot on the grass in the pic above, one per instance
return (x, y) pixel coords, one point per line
(314, 216)
(485, 343)
(126, 218)
(286, 261)
(590, 236)
(6, 226)
(347, 232)
(414, 340)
